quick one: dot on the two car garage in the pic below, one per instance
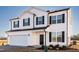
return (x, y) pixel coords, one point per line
(18, 40)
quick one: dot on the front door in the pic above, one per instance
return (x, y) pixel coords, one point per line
(41, 39)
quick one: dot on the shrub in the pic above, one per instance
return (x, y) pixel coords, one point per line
(63, 47)
(50, 47)
(56, 46)
(42, 47)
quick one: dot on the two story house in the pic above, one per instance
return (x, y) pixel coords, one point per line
(39, 27)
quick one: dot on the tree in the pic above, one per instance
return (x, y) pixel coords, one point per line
(75, 37)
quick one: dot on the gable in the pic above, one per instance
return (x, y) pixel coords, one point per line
(37, 10)
(33, 11)
(26, 14)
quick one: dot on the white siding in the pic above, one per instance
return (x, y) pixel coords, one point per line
(27, 15)
(25, 38)
(69, 26)
(15, 38)
(38, 14)
(30, 15)
(58, 28)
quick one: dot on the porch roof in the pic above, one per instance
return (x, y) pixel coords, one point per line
(39, 28)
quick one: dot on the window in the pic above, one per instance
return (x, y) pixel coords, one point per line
(57, 19)
(52, 19)
(60, 36)
(54, 36)
(39, 20)
(61, 18)
(26, 22)
(16, 24)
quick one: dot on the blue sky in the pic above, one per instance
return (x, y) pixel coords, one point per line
(8, 12)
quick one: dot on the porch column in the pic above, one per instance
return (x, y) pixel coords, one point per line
(45, 46)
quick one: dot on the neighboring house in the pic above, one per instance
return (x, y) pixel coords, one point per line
(38, 27)
(3, 41)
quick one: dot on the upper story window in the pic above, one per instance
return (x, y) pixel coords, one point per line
(57, 19)
(26, 22)
(39, 20)
(52, 19)
(60, 18)
(16, 24)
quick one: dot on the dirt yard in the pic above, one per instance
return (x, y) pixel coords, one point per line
(31, 49)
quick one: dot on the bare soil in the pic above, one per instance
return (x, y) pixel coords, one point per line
(32, 49)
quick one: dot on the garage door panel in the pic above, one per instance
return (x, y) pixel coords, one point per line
(20, 40)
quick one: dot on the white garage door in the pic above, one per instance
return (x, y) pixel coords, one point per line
(18, 40)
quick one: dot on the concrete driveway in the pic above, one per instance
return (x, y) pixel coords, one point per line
(15, 49)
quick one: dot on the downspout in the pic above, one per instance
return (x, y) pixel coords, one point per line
(45, 37)
(67, 28)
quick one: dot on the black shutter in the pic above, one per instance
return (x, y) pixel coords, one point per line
(23, 22)
(50, 20)
(18, 24)
(42, 19)
(14, 24)
(63, 36)
(28, 21)
(63, 18)
(36, 20)
(49, 36)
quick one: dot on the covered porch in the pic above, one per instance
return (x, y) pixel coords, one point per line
(38, 37)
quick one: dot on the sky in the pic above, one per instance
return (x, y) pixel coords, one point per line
(8, 12)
